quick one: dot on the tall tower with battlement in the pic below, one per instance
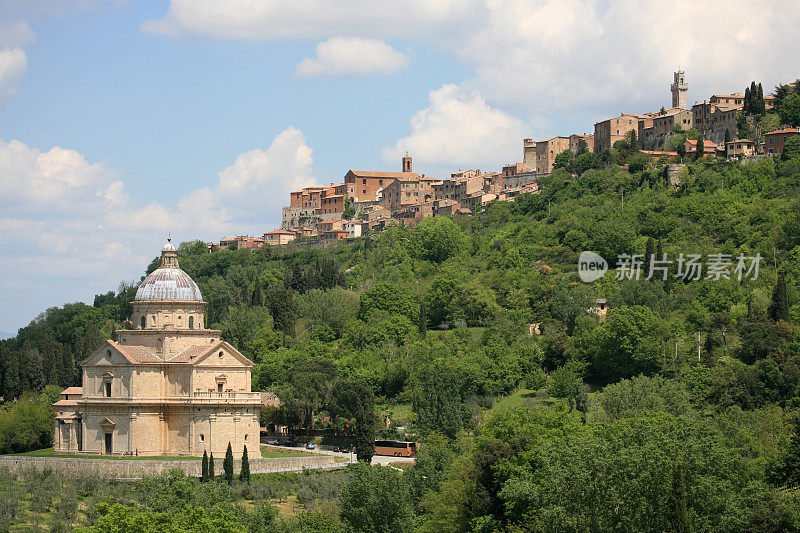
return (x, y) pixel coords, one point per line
(679, 89)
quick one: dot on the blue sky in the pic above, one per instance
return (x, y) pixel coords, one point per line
(122, 121)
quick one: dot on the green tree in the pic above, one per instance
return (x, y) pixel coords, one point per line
(227, 464)
(677, 512)
(376, 500)
(567, 383)
(310, 382)
(791, 148)
(355, 399)
(211, 472)
(437, 239)
(790, 110)
(628, 343)
(633, 141)
(204, 475)
(727, 136)
(700, 149)
(789, 470)
(423, 318)
(568, 303)
(681, 149)
(244, 475)
(392, 299)
(779, 304)
(438, 402)
(280, 302)
(563, 160)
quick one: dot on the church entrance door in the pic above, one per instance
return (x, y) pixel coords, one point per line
(109, 446)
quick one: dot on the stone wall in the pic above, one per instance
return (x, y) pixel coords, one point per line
(137, 468)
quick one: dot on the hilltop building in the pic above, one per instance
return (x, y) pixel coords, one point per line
(679, 88)
(166, 386)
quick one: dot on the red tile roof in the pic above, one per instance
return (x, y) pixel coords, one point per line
(382, 174)
(190, 355)
(66, 403)
(784, 130)
(72, 390)
(136, 354)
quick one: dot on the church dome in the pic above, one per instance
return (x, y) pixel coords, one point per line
(169, 282)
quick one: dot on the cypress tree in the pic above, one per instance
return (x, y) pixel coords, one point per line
(747, 104)
(227, 464)
(244, 475)
(790, 471)
(204, 475)
(762, 107)
(779, 306)
(677, 514)
(649, 252)
(727, 136)
(211, 466)
(700, 148)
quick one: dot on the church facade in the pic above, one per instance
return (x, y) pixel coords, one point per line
(166, 386)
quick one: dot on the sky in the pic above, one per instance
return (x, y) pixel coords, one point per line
(123, 121)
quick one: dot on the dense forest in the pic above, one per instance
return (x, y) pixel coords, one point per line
(678, 410)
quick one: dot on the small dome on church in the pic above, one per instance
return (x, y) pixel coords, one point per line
(168, 284)
(169, 247)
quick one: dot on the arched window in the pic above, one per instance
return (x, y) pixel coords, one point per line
(143, 322)
(245, 437)
(191, 322)
(202, 437)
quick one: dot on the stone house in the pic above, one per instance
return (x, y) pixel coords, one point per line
(774, 140)
(280, 236)
(609, 131)
(740, 147)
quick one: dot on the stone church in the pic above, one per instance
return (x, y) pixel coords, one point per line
(166, 386)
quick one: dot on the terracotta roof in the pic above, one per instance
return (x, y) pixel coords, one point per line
(270, 399)
(72, 390)
(706, 144)
(66, 403)
(784, 130)
(279, 232)
(190, 355)
(136, 354)
(382, 174)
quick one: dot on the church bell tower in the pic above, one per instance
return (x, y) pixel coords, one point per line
(679, 89)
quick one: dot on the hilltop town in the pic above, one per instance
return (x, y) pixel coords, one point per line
(729, 126)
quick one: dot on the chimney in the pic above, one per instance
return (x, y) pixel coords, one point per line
(407, 164)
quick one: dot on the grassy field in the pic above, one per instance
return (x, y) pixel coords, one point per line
(48, 452)
(274, 451)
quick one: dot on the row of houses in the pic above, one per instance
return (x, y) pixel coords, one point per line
(369, 201)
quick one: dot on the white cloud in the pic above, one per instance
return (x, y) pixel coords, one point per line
(343, 56)
(539, 58)
(311, 19)
(69, 221)
(15, 33)
(458, 128)
(258, 183)
(13, 65)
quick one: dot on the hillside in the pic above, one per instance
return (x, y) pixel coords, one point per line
(649, 426)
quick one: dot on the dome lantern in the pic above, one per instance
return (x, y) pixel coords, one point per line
(169, 282)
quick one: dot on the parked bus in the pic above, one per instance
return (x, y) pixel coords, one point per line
(397, 448)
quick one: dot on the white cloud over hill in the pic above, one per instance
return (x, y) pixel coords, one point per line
(347, 56)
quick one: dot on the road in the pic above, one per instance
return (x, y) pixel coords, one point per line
(376, 459)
